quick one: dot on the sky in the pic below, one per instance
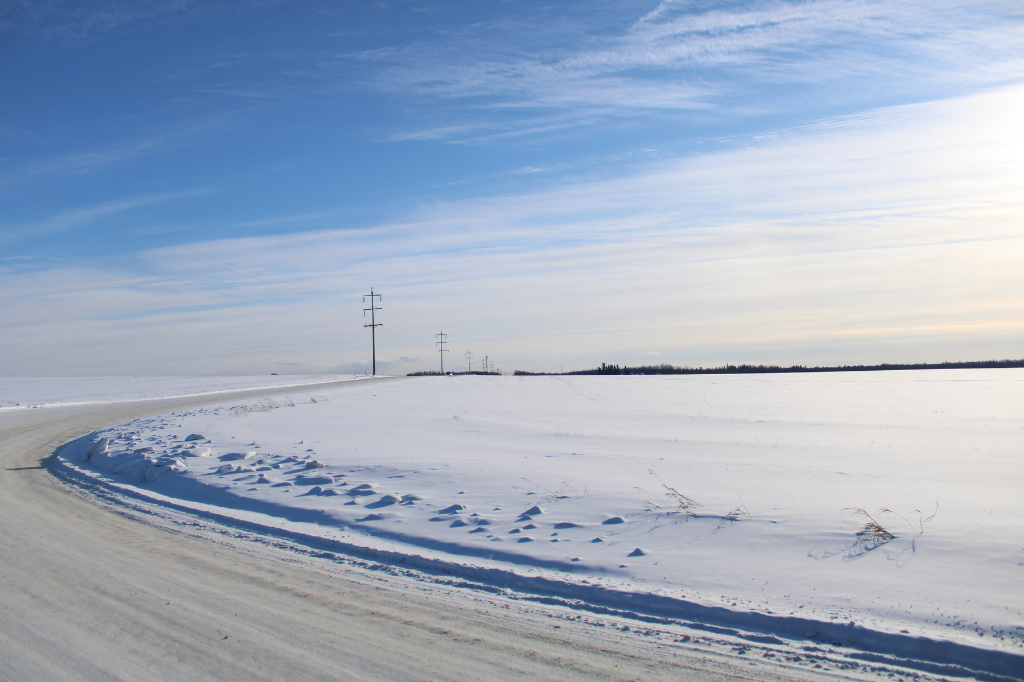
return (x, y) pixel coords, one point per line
(198, 187)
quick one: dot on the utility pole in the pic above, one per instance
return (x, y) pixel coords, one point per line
(486, 366)
(469, 361)
(442, 336)
(373, 324)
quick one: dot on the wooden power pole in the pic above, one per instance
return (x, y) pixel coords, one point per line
(442, 336)
(373, 324)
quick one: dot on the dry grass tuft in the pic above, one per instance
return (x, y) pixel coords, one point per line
(900, 545)
(677, 502)
(739, 513)
(872, 535)
(566, 489)
(264, 405)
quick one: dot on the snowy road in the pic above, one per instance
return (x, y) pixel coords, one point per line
(89, 592)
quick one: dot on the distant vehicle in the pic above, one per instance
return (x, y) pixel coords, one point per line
(273, 374)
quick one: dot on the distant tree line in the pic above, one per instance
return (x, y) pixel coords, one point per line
(438, 374)
(775, 369)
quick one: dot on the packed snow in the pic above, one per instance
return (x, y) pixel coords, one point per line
(20, 393)
(885, 502)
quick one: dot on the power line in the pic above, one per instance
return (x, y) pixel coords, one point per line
(25, 257)
(412, 327)
(402, 328)
(87, 173)
(224, 265)
(401, 337)
(177, 249)
(406, 330)
(443, 350)
(84, 255)
(373, 323)
(238, 268)
(469, 361)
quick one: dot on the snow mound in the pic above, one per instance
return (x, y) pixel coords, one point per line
(99, 447)
(313, 479)
(160, 467)
(384, 501)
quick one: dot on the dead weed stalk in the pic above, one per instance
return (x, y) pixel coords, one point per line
(677, 502)
(566, 489)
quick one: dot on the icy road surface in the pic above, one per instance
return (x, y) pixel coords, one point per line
(22, 393)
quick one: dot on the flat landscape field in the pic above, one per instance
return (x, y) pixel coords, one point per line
(878, 502)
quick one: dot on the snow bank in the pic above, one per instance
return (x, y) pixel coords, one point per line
(846, 506)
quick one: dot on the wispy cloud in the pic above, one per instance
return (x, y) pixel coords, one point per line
(682, 57)
(889, 236)
(74, 20)
(827, 235)
(164, 139)
(65, 217)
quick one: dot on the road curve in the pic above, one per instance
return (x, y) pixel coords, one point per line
(90, 593)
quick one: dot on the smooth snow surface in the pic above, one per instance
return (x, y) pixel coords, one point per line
(19, 393)
(889, 500)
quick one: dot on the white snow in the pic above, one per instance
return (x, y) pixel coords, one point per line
(19, 393)
(891, 500)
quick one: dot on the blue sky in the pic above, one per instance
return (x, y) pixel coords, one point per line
(209, 187)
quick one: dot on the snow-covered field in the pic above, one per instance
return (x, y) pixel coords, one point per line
(882, 502)
(19, 393)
